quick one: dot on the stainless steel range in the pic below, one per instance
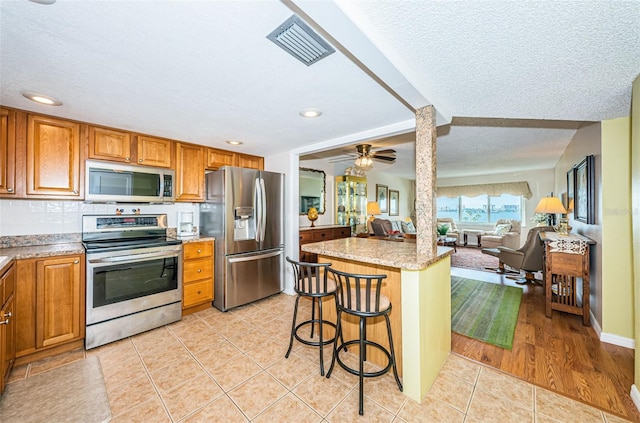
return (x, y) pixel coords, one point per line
(134, 276)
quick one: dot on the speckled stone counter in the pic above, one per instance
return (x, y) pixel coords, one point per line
(38, 251)
(198, 239)
(306, 228)
(401, 255)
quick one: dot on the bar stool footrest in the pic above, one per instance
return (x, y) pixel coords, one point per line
(314, 343)
(367, 343)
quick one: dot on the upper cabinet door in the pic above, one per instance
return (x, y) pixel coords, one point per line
(218, 158)
(250, 162)
(107, 144)
(154, 151)
(53, 157)
(189, 172)
(7, 152)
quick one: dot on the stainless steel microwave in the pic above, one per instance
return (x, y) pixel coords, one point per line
(108, 182)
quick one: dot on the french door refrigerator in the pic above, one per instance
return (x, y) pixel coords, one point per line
(243, 210)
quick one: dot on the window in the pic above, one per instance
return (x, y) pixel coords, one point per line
(481, 209)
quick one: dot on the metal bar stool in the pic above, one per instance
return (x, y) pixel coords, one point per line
(360, 296)
(311, 280)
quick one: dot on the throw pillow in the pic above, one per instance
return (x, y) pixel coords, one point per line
(396, 226)
(502, 229)
(408, 228)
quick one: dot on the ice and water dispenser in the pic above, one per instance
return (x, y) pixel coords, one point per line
(244, 226)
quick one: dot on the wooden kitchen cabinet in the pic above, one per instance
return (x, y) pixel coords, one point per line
(50, 305)
(121, 146)
(109, 144)
(197, 276)
(189, 184)
(218, 158)
(7, 324)
(151, 151)
(53, 157)
(7, 152)
(250, 162)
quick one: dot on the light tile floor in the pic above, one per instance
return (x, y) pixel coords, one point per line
(214, 367)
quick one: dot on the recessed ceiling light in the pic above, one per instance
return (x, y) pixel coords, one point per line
(43, 1)
(310, 113)
(42, 99)
(234, 142)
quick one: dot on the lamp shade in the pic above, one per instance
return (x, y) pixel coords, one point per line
(373, 208)
(550, 205)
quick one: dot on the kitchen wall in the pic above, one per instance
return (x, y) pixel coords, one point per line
(35, 217)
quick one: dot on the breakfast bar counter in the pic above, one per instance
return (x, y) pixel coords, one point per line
(419, 288)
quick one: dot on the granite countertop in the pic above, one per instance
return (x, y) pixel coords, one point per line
(38, 251)
(376, 251)
(198, 239)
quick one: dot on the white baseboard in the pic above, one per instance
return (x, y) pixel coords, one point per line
(610, 338)
(635, 396)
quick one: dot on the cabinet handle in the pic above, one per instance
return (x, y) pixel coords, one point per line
(139, 160)
(9, 189)
(6, 321)
(127, 159)
(199, 251)
(199, 270)
(199, 292)
(76, 261)
(75, 191)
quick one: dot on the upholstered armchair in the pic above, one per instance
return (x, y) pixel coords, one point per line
(528, 258)
(453, 231)
(506, 233)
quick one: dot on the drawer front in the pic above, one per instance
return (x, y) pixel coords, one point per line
(194, 250)
(306, 237)
(198, 269)
(341, 233)
(197, 293)
(322, 235)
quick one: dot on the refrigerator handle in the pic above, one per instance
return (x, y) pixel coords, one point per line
(263, 210)
(258, 210)
(254, 257)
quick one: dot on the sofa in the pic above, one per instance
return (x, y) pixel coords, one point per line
(505, 233)
(384, 227)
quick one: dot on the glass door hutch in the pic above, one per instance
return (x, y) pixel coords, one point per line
(351, 202)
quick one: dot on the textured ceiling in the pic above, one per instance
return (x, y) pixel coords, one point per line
(204, 72)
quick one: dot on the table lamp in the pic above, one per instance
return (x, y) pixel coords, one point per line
(373, 209)
(551, 206)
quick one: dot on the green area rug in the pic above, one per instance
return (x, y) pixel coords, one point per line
(484, 310)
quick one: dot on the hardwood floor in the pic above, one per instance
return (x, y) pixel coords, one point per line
(559, 353)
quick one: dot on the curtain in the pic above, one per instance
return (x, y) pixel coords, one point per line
(492, 190)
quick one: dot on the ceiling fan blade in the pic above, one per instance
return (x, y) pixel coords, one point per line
(340, 159)
(384, 159)
(387, 151)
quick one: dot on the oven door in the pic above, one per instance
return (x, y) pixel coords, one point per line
(124, 282)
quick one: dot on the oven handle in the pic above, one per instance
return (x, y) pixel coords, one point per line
(134, 257)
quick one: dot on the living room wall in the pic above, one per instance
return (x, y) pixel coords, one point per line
(541, 183)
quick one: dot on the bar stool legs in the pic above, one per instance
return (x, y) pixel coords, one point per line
(359, 296)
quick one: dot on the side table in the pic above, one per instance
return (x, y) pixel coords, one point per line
(476, 232)
(566, 260)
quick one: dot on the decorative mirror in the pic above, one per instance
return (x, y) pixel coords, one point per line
(312, 187)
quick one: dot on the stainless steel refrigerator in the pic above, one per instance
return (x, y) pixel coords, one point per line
(244, 211)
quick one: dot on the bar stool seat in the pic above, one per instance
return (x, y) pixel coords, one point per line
(312, 280)
(360, 296)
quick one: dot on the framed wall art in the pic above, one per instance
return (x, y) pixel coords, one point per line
(394, 202)
(584, 191)
(570, 188)
(382, 197)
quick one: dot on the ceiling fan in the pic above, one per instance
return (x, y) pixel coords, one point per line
(365, 157)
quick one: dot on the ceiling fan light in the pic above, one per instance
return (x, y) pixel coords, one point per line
(364, 163)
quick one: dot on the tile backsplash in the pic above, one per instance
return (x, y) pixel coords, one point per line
(32, 217)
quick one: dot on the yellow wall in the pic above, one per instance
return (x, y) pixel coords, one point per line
(617, 270)
(426, 326)
(635, 187)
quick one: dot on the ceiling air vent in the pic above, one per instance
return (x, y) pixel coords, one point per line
(300, 41)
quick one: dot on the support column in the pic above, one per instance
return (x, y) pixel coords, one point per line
(426, 238)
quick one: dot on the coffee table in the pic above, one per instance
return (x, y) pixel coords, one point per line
(477, 233)
(448, 242)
